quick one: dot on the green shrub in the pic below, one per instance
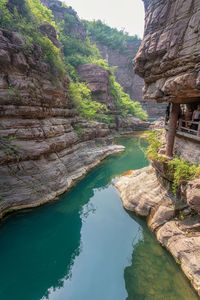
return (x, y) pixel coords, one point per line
(111, 37)
(69, 19)
(26, 18)
(80, 94)
(182, 170)
(178, 168)
(76, 51)
(39, 13)
(5, 15)
(124, 102)
(71, 71)
(153, 138)
(52, 54)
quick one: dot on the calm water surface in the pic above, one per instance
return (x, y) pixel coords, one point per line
(87, 247)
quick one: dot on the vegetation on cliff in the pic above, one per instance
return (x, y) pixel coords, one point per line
(177, 168)
(28, 17)
(88, 108)
(111, 37)
(123, 101)
(76, 52)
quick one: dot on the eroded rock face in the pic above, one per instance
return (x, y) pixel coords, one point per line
(175, 225)
(60, 12)
(187, 149)
(98, 79)
(125, 75)
(169, 55)
(44, 144)
(193, 194)
(99, 83)
(131, 83)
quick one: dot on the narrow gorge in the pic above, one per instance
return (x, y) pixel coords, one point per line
(47, 139)
(90, 114)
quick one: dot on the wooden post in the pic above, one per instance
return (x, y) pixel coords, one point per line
(172, 128)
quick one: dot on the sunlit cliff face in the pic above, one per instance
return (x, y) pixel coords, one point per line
(169, 56)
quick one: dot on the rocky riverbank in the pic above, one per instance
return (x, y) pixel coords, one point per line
(175, 222)
(37, 182)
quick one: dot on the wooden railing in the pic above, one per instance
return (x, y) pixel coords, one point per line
(187, 126)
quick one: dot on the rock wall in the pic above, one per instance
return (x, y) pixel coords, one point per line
(187, 149)
(44, 145)
(59, 11)
(125, 75)
(128, 79)
(99, 84)
(169, 56)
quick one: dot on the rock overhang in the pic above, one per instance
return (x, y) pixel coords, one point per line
(169, 56)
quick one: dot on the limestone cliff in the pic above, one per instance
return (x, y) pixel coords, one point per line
(169, 55)
(125, 75)
(99, 84)
(131, 83)
(60, 11)
(74, 32)
(44, 144)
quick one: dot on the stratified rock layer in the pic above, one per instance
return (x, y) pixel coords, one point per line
(99, 84)
(60, 11)
(169, 56)
(175, 225)
(125, 75)
(44, 145)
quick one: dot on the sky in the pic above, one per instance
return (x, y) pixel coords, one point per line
(121, 14)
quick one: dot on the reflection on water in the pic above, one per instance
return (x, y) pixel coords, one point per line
(86, 246)
(153, 275)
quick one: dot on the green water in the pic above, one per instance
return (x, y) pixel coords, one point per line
(87, 247)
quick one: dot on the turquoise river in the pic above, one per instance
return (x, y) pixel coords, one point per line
(87, 247)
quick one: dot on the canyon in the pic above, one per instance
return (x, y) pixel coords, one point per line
(45, 145)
